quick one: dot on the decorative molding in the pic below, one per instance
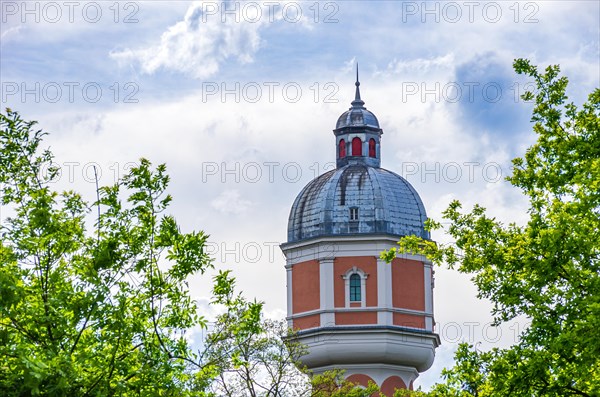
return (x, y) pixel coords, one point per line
(331, 247)
(378, 345)
(363, 309)
(363, 286)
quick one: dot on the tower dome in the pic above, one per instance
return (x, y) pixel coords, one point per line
(357, 118)
(358, 197)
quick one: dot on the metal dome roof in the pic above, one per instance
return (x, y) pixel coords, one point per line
(357, 117)
(386, 203)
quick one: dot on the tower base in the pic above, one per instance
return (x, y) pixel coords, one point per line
(387, 377)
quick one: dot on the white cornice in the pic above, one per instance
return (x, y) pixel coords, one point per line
(361, 309)
(328, 248)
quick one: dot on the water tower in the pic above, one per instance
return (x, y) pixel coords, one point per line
(351, 309)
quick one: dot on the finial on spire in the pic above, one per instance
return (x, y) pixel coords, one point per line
(357, 102)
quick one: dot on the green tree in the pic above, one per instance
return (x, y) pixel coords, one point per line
(547, 270)
(334, 384)
(257, 357)
(101, 310)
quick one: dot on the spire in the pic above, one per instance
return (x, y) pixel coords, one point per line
(357, 102)
(357, 84)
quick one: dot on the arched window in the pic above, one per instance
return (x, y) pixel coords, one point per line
(342, 149)
(355, 284)
(355, 288)
(356, 147)
(372, 148)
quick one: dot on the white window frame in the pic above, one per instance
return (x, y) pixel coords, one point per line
(363, 286)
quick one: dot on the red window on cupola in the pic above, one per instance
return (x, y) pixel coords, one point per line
(356, 147)
(372, 148)
(342, 149)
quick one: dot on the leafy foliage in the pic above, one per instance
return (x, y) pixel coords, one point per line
(333, 384)
(547, 270)
(92, 313)
(105, 311)
(257, 357)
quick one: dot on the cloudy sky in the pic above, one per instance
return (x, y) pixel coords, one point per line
(239, 99)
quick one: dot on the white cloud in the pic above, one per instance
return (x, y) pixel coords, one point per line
(10, 32)
(231, 202)
(422, 65)
(208, 36)
(213, 33)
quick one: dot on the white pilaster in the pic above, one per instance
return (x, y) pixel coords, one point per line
(326, 292)
(384, 292)
(288, 269)
(428, 296)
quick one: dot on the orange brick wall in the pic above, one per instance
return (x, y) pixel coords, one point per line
(358, 317)
(307, 322)
(360, 379)
(409, 320)
(391, 384)
(305, 286)
(408, 284)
